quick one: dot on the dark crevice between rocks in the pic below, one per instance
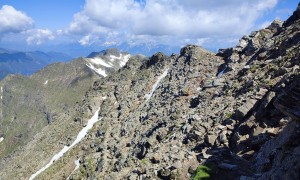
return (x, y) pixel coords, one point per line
(194, 102)
(142, 150)
(152, 130)
(222, 69)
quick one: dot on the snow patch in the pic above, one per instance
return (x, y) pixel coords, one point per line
(149, 95)
(113, 58)
(122, 59)
(80, 136)
(100, 61)
(1, 139)
(1, 97)
(1, 89)
(222, 72)
(99, 71)
(46, 82)
(77, 165)
(104, 97)
(125, 59)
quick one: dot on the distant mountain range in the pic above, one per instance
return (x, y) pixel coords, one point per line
(147, 49)
(26, 63)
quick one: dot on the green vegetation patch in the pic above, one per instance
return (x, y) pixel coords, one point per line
(202, 172)
(254, 68)
(228, 115)
(145, 160)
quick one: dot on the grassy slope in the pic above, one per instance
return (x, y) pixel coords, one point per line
(27, 100)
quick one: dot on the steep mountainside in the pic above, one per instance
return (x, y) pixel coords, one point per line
(28, 104)
(27, 63)
(231, 115)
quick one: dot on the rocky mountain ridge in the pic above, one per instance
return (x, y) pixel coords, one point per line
(29, 104)
(231, 115)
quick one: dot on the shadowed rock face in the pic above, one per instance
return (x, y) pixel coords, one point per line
(289, 101)
(156, 58)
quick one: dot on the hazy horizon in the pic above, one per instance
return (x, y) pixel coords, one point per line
(145, 26)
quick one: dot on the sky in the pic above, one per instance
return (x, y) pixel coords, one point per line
(77, 27)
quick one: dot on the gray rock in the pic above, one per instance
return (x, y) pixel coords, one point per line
(165, 173)
(243, 110)
(211, 138)
(223, 137)
(218, 82)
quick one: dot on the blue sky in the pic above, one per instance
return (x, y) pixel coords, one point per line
(80, 26)
(52, 14)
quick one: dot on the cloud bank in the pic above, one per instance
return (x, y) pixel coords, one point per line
(167, 21)
(106, 23)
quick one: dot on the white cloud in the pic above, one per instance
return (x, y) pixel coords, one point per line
(166, 21)
(265, 24)
(13, 21)
(39, 36)
(17, 22)
(59, 32)
(109, 43)
(86, 40)
(83, 24)
(201, 41)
